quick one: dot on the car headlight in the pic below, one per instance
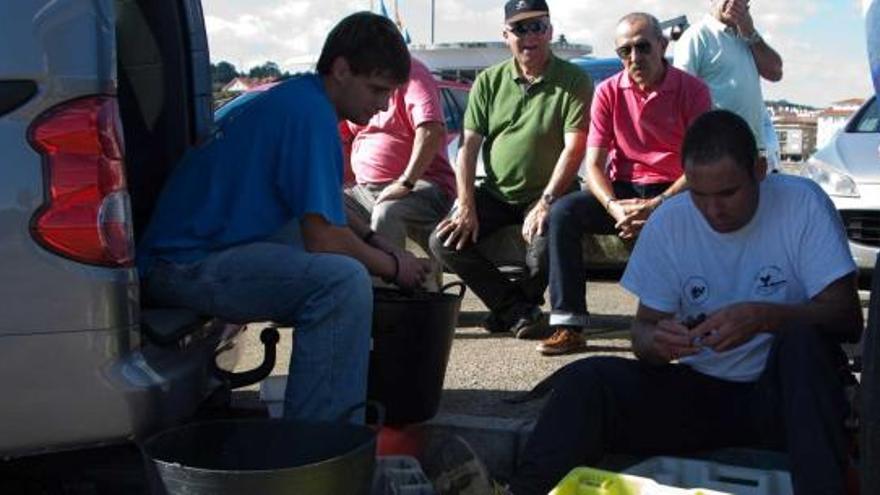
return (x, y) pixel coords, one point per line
(832, 180)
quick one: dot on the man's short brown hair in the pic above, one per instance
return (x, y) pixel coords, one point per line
(371, 44)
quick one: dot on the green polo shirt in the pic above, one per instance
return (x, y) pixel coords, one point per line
(524, 125)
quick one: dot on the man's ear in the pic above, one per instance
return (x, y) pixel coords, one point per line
(664, 44)
(761, 167)
(339, 69)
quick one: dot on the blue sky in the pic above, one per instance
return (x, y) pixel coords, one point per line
(822, 43)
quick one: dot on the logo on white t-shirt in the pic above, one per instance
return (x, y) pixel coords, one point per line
(769, 280)
(696, 290)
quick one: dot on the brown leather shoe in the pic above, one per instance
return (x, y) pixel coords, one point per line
(563, 341)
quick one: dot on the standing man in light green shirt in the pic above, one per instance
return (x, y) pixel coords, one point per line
(530, 115)
(726, 51)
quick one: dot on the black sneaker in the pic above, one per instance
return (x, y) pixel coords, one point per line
(533, 324)
(494, 324)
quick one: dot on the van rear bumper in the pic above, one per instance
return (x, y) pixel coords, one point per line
(97, 389)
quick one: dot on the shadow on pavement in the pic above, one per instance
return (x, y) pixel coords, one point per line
(489, 403)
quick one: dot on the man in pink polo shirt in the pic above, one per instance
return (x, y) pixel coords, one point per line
(638, 120)
(404, 183)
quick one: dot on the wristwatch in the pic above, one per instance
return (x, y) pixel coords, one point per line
(407, 184)
(753, 38)
(548, 198)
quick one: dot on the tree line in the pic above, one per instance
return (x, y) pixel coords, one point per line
(222, 72)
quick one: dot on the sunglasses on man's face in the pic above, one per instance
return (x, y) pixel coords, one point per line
(642, 47)
(521, 29)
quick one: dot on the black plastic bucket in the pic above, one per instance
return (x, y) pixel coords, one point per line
(412, 337)
(263, 457)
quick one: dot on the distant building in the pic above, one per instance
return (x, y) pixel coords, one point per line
(834, 118)
(466, 60)
(797, 135)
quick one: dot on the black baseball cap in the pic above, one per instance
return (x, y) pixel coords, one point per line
(518, 10)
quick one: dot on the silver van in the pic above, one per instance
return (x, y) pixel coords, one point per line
(98, 100)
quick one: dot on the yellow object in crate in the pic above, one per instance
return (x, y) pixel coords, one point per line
(591, 481)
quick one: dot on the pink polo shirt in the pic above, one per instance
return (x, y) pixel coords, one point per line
(380, 150)
(643, 131)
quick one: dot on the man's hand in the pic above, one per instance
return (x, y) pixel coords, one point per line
(411, 271)
(395, 190)
(535, 222)
(460, 227)
(630, 215)
(732, 326)
(736, 12)
(671, 341)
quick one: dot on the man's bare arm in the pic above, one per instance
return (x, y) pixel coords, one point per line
(462, 225)
(320, 236)
(429, 138)
(835, 311)
(564, 173)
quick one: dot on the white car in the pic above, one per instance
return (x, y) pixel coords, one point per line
(848, 169)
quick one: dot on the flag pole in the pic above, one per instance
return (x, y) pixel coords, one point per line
(431, 17)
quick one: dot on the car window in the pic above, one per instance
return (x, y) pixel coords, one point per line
(868, 120)
(600, 69)
(452, 110)
(460, 96)
(599, 74)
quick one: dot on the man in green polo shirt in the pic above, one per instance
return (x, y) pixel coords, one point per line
(530, 115)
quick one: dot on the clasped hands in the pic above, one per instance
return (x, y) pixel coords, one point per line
(723, 330)
(631, 214)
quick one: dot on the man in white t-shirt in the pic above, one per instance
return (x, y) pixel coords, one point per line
(764, 264)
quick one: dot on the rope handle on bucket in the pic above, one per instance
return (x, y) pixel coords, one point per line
(451, 285)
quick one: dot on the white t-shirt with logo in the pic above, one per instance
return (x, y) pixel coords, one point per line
(791, 250)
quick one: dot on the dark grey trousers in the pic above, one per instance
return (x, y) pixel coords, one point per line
(494, 288)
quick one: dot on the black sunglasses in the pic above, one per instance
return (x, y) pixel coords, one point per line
(643, 47)
(521, 29)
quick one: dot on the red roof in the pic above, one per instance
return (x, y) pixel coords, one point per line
(855, 102)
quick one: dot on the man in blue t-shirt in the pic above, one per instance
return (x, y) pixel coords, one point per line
(746, 287)
(251, 225)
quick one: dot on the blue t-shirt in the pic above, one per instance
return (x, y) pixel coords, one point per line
(272, 159)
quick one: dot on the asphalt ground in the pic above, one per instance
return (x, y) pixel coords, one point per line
(485, 369)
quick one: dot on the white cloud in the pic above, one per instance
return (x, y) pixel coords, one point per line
(244, 26)
(290, 11)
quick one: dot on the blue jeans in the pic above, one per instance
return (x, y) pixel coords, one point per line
(571, 217)
(327, 298)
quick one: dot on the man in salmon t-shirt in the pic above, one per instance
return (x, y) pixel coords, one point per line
(404, 183)
(638, 119)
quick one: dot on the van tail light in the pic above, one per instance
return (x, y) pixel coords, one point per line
(87, 215)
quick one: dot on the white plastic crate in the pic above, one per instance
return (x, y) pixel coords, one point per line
(400, 475)
(272, 394)
(692, 473)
